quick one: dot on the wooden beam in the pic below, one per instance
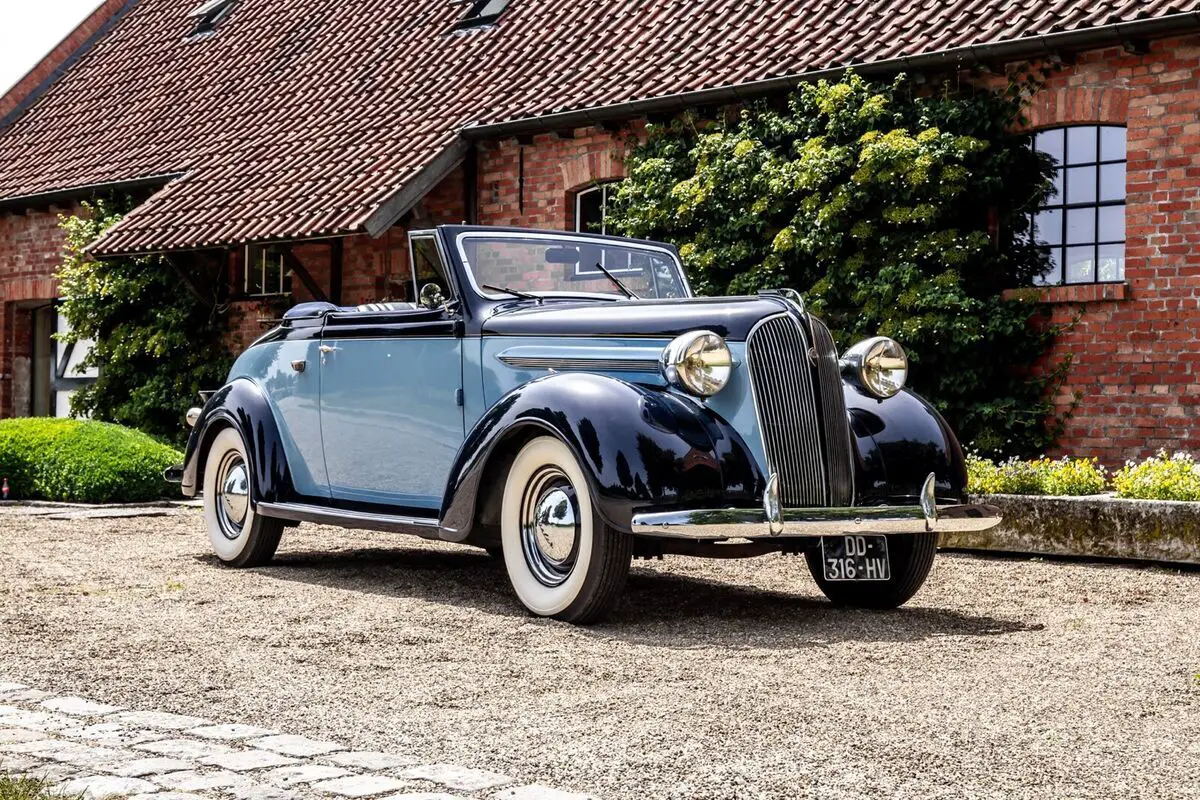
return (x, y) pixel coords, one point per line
(293, 263)
(416, 187)
(335, 271)
(208, 301)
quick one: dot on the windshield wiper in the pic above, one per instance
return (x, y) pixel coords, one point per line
(624, 289)
(513, 292)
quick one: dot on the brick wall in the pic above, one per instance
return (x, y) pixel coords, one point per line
(555, 168)
(1136, 346)
(30, 253)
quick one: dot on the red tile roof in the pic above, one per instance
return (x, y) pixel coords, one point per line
(300, 118)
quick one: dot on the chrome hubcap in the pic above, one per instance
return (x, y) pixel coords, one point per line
(233, 489)
(550, 526)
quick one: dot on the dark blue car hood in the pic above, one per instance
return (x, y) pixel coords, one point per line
(730, 317)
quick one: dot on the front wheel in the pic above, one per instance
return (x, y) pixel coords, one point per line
(911, 557)
(239, 536)
(562, 560)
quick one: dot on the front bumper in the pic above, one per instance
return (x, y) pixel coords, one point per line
(772, 521)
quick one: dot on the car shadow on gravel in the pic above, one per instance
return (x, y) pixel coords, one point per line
(665, 610)
(689, 612)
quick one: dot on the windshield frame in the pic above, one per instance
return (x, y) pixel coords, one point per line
(565, 236)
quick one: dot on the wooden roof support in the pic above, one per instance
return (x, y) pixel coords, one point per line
(299, 270)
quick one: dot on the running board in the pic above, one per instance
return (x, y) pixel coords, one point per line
(300, 512)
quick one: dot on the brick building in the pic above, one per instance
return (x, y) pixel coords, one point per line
(297, 141)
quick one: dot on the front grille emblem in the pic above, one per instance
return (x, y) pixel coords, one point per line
(812, 356)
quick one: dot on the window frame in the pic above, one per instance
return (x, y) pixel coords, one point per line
(475, 18)
(207, 15)
(1096, 204)
(259, 265)
(469, 269)
(603, 188)
(440, 265)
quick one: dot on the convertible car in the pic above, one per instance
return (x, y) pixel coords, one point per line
(564, 401)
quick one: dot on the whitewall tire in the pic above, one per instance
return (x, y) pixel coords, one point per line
(239, 536)
(562, 560)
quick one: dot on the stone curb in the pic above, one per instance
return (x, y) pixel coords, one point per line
(1093, 526)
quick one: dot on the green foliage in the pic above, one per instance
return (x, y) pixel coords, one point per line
(879, 204)
(156, 342)
(83, 461)
(1160, 477)
(17, 787)
(1064, 476)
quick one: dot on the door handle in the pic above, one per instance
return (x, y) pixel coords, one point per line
(327, 348)
(298, 365)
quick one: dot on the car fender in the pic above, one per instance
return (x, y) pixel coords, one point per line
(640, 448)
(899, 441)
(242, 405)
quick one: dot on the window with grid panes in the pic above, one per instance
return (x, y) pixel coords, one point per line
(1082, 224)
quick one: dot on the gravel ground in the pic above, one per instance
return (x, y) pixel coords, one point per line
(716, 679)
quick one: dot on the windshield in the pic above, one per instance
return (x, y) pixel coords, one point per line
(548, 265)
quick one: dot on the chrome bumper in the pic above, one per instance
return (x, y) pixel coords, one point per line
(772, 521)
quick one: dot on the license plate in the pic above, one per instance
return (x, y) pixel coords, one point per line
(855, 558)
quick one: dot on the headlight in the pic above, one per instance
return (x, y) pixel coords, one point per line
(697, 362)
(878, 366)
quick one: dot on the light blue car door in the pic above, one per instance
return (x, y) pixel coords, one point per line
(391, 403)
(287, 372)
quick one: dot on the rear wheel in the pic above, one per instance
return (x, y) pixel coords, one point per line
(911, 557)
(239, 536)
(562, 560)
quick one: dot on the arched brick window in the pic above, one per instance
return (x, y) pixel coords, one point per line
(1082, 224)
(590, 207)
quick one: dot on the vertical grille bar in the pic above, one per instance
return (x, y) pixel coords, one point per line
(839, 466)
(785, 401)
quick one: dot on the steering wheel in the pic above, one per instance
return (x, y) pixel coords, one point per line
(432, 297)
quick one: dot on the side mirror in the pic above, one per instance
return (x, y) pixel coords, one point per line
(432, 297)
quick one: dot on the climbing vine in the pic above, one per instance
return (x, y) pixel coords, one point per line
(157, 336)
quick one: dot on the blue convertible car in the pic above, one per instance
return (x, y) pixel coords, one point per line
(565, 402)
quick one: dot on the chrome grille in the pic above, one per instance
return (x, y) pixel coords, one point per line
(839, 468)
(782, 380)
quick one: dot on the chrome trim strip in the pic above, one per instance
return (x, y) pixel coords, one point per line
(603, 364)
(752, 523)
(303, 512)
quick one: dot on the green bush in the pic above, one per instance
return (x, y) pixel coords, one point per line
(896, 211)
(83, 461)
(1160, 477)
(1065, 476)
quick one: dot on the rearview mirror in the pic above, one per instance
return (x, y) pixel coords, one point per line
(562, 255)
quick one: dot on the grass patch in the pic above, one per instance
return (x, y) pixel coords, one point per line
(27, 787)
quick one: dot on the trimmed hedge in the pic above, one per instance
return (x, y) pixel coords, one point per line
(82, 461)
